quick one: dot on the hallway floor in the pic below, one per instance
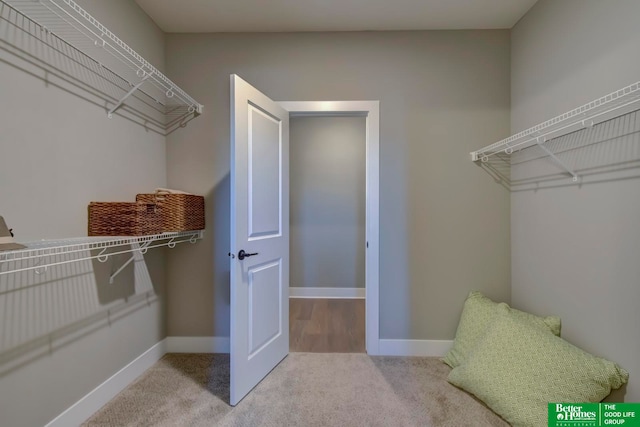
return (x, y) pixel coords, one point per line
(327, 325)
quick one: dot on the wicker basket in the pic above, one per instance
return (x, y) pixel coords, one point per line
(124, 219)
(180, 212)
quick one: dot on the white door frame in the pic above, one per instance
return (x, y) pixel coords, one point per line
(371, 110)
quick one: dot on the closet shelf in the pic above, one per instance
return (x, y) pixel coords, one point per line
(63, 23)
(613, 105)
(40, 255)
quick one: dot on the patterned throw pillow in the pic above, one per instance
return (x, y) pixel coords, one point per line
(517, 369)
(477, 314)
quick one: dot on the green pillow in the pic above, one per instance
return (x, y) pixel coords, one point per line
(517, 369)
(477, 314)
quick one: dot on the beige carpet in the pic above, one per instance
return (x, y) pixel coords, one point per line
(305, 389)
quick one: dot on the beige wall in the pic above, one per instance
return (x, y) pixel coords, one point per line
(444, 224)
(66, 331)
(327, 201)
(575, 249)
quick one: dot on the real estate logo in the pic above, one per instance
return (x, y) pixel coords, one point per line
(576, 414)
(593, 414)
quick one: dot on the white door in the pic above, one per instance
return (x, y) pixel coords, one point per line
(259, 229)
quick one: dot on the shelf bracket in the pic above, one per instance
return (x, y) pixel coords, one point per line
(143, 250)
(555, 158)
(127, 95)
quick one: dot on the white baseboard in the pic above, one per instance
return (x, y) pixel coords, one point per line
(198, 344)
(84, 408)
(296, 292)
(426, 348)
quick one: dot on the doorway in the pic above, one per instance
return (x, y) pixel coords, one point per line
(369, 110)
(327, 174)
(259, 229)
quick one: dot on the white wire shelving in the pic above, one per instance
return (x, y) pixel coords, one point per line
(40, 255)
(613, 105)
(65, 27)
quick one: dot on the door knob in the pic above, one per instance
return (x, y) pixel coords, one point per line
(242, 254)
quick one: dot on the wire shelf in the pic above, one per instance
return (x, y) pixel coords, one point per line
(72, 33)
(613, 105)
(40, 255)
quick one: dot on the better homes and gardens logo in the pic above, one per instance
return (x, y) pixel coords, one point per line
(575, 414)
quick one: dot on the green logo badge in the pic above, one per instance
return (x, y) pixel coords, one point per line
(594, 414)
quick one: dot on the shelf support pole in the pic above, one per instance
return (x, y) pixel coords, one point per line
(143, 249)
(556, 159)
(127, 95)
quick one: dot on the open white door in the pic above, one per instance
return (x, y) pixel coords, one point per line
(259, 229)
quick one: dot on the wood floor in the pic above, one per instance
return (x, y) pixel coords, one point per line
(326, 325)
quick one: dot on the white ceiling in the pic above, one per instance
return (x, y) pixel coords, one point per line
(197, 16)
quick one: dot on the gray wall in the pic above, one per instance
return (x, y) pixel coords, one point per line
(576, 249)
(66, 331)
(444, 224)
(327, 201)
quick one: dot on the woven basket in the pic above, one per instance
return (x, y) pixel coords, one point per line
(124, 219)
(180, 212)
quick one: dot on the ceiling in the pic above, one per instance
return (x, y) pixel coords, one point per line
(198, 16)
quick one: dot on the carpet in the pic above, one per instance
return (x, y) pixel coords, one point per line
(305, 389)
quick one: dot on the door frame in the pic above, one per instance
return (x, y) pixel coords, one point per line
(370, 110)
